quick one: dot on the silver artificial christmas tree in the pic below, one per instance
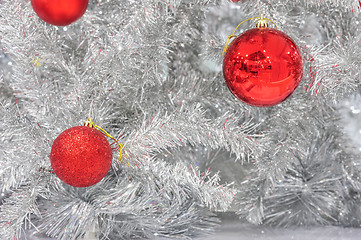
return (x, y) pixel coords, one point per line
(149, 72)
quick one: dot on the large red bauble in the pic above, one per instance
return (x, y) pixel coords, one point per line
(59, 12)
(262, 67)
(81, 156)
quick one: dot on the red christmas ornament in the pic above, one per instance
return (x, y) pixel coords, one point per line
(262, 67)
(59, 12)
(81, 156)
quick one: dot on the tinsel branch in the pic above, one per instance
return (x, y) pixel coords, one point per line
(306, 194)
(134, 206)
(18, 209)
(15, 170)
(190, 127)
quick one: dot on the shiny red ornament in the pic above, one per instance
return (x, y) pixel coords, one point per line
(81, 156)
(60, 12)
(262, 67)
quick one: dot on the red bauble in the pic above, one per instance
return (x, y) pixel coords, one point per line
(262, 67)
(59, 12)
(81, 156)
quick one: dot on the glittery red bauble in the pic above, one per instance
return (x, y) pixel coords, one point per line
(60, 12)
(262, 67)
(81, 156)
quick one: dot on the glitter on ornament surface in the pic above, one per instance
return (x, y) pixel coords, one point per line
(262, 67)
(81, 156)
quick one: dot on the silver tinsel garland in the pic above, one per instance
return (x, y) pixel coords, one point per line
(149, 72)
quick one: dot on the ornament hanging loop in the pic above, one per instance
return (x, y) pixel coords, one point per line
(90, 123)
(262, 22)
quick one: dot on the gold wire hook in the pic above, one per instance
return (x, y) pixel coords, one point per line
(261, 23)
(90, 123)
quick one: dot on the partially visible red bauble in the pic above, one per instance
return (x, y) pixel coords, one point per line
(262, 67)
(81, 156)
(60, 12)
